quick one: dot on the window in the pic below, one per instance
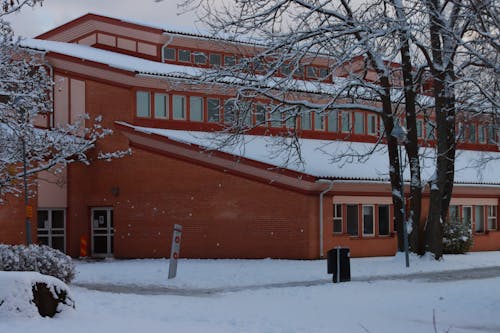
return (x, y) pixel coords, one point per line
(169, 53)
(285, 69)
(492, 217)
(161, 106)
(383, 220)
(346, 122)
(143, 104)
(372, 124)
(195, 108)
(333, 121)
(290, 120)
(381, 126)
(51, 225)
(213, 105)
(420, 128)
(323, 73)
(453, 214)
(185, 55)
(305, 119)
(229, 60)
(481, 134)
(260, 114)
(229, 110)
(352, 220)
(312, 72)
(368, 221)
(215, 59)
(319, 121)
(479, 218)
(275, 118)
(491, 134)
(179, 107)
(359, 123)
(472, 133)
(467, 215)
(337, 218)
(429, 130)
(200, 58)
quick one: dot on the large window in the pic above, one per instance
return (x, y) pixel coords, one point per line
(453, 213)
(352, 220)
(383, 220)
(169, 53)
(196, 108)
(333, 121)
(229, 60)
(372, 124)
(215, 59)
(430, 130)
(185, 55)
(143, 104)
(179, 107)
(51, 226)
(472, 133)
(229, 110)
(420, 128)
(260, 114)
(161, 106)
(213, 105)
(319, 121)
(492, 217)
(305, 119)
(275, 118)
(481, 134)
(479, 218)
(359, 123)
(200, 58)
(368, 221)
(467, 215)
(346, 122)
(337, 218)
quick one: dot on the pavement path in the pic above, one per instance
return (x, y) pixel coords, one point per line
(442, 276)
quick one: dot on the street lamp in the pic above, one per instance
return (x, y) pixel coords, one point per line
(400, 134)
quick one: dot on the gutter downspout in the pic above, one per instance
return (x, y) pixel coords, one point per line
(169, 40)
(328, 189)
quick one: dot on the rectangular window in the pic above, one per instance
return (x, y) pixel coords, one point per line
(200, 58)
(472, 133)
(291, 120)
(430, 130)
(51, 228)
(381, 125)
(359, 123)
(467, 216)
(285, 69)
(420, 128)
(229, 60)
(479, 218)
(196, 108)
(319, 121)
(185, 55)
(453, 214)
(213, 105)
(169, 53)
(229, 110)
(333, 121)
(305, 119)
(161, 106)
(372, 124)
(143, 104)
(179, 107)
(260, 114)
(491, 134)
(346, 122)
(492, 217)
(337, 218)
(481, 134)
(274, 117)
(312, 72)
(323, 73)
(383, 220)
(215, 59)
(352, 220)
(368, 221)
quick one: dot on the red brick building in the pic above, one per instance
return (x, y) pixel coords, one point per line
(233, 202)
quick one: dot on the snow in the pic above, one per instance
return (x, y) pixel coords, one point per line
(16, 293)
(334, 159)
(362, 306)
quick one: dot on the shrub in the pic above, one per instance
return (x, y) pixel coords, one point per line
(41, 258)
(457, 237)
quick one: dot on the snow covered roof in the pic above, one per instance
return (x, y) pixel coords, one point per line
(331, 159)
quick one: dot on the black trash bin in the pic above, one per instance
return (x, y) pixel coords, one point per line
(339, 264)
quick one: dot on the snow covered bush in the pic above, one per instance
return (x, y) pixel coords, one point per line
(41, 258)
(457, 237)
(29, 294)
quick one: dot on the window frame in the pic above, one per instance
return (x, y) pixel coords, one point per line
(363, 206)
(319, 117)
(50, 229)
(144, 93)
(479, 209)
(184, 107)
(179, 58)
(345, 115)
(348, 222)
(163, 53)
(210, 109)
(359, 129)
(201, 112)
(166, 100)
(337, 219)
(371, 120)
(388, 219)
(492, 217)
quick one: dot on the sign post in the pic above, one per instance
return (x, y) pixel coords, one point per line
(174, 252)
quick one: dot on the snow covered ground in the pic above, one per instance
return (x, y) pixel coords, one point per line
(358, 306)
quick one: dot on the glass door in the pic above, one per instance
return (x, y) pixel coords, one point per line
(102, 232)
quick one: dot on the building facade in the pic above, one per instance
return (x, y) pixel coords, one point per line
(232, 202)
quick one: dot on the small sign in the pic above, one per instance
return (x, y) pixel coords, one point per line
(29, 211)
(174, 252)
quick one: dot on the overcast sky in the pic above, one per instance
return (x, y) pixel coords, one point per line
(32, 22)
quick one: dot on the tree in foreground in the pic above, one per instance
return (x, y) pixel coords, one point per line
(397, 59)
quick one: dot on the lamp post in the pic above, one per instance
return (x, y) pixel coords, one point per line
(400, 134)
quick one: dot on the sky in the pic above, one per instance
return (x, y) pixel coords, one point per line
(31, 22)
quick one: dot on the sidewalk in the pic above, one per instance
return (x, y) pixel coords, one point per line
(445, 276)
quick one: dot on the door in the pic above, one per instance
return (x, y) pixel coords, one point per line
(51, 228)
(102, 232)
